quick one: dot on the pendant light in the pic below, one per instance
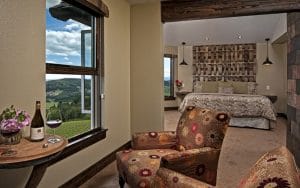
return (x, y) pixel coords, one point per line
(267, 61)
(183, 62)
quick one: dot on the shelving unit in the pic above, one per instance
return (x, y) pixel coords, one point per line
(236, 62)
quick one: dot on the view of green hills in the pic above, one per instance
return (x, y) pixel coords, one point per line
(64, 96)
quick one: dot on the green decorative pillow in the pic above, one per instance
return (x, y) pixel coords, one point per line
(200, 127)
(210, 87)
(240, 87)
(224, 84)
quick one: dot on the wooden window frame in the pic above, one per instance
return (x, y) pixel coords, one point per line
(94, 135)
(172, 74)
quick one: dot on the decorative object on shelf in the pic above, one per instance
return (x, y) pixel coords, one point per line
(228, 62)
(11, 122)
(179, 84)
(183, 62)
(267, 61)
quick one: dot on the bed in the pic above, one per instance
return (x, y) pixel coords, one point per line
(254, 111)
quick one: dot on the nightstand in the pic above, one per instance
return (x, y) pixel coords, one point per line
(273, 98)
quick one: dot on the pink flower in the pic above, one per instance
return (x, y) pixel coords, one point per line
(14, 120)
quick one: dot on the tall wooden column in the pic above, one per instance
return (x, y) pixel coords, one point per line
(293, 106)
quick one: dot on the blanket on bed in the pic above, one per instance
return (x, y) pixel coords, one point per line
(238, 105)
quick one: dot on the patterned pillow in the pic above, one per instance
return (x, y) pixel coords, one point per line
(252, 88)
(226, 90)
(276, 168)
(200, 127)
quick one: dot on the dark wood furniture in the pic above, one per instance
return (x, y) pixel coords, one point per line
(273, 98)
(32, 154)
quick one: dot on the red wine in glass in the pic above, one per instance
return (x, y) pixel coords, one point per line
(54, 123)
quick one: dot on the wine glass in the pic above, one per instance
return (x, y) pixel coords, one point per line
(9, 138)
(54, 120)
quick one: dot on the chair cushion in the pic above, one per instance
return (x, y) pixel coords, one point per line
(154, 140)
(138, 167)
(199, 128)
(276, 168)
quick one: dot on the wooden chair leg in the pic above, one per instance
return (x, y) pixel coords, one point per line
(121, 182)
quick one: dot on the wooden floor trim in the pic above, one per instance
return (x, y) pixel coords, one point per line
(282, 115)
(94, 169)
(171, 108)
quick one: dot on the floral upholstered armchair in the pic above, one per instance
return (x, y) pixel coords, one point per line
(192, 152)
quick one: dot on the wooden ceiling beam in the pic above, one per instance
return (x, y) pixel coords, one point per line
(179, 10)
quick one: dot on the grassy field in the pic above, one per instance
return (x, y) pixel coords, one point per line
(71, 128)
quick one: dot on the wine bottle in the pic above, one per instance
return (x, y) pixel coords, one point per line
(37, 129)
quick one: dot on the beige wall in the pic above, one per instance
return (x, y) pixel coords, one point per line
(22, 57)
(185, 72)
(22, 67)
(146, 68)
(274, 75)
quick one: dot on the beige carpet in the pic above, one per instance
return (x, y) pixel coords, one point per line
(241, 148)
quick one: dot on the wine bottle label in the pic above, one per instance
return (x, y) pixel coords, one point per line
(37, 133)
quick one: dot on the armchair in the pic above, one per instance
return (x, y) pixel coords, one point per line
(192, 151)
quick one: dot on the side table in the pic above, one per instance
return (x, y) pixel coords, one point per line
(273, 98)
(32, 154)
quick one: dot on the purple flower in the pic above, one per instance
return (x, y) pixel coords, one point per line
(13, 120)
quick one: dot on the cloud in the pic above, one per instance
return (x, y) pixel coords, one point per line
(76, 27)
(63, 43)
(66, 42)
(51, 3)
(49, 61)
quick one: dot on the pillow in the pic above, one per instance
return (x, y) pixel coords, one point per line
(274, 169)
(199, 127)
(198, 87)
(225, 84)
(226, 90)
(240, 87)
(252, 88)
(210, 87)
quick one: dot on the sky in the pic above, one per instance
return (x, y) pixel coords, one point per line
(167, 70)
(63, 41)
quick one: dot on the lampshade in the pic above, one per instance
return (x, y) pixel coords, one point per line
(267, 61)
(183, 62)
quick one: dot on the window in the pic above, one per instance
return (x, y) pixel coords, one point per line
(74, 75)
(169, 77)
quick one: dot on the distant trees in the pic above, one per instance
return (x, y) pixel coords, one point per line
(64, 95)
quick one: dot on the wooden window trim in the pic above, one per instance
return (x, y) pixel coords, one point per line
(67, 69)
(81, 142)
(95, 7)
(172, 96)
(88, 138)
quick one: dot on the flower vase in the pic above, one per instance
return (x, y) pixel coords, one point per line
(11, 138)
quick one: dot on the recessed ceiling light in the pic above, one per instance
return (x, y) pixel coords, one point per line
(239, 36)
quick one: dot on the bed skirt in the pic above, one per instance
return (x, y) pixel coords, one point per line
(259, 122)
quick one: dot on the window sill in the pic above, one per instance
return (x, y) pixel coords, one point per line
(80, 142)
(169, 98)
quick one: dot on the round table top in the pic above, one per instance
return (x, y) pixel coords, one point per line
(31, 153)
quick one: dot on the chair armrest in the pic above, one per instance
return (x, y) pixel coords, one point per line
(201, 164)
(154, 140)
(170, 179)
